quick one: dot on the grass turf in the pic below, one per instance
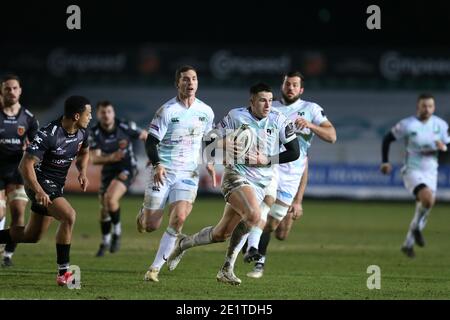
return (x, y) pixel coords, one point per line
(325, 257)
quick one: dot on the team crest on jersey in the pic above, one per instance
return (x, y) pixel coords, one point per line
(123, 144)
(20, 130)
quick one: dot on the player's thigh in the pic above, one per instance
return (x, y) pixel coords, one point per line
(184, 187)
(183, 192)
(413, 179)
(245, 202)
(116, 190)
(271, 189)
(153, 218)
(425, 195)
(2, 204)
(155, 196)
(179, 210)
(287, 189)
(61, 210)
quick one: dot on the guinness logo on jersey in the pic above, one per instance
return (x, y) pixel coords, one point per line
(123, 144)
(20, 130)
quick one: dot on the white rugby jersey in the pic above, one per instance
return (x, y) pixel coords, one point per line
(311, 112)
(271, 132)
(420, 141)
(180, 131)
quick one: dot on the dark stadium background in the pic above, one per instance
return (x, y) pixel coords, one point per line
(366, 80)
(127, 52)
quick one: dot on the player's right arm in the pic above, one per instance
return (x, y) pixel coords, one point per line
(34, 154)
(26, 168)
(95, 152)
(99, 159)
(397, 132)
(386, 167)
(151, 148)
(156, 132)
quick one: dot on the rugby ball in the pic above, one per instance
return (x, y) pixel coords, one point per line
(242, 140)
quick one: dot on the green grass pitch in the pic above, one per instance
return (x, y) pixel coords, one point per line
(325, 257)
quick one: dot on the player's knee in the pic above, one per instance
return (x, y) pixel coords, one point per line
(109, 201)
(69, 217)
(252, 216)
(220, 236)
(427, 202)
(151, 226)
(426, 198)
(281, 235)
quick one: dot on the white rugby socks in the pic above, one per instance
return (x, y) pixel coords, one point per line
(165, 247)
(418, 222)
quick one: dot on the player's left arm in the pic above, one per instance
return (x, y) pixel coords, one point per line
(33, 128)
(319, 124)
(324, 131)
(143, 135)
(82, 163)
(443, 144)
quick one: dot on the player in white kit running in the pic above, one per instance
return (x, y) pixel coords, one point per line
(244, 183)
(174, 147)
(425, 136)
(310, 120)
